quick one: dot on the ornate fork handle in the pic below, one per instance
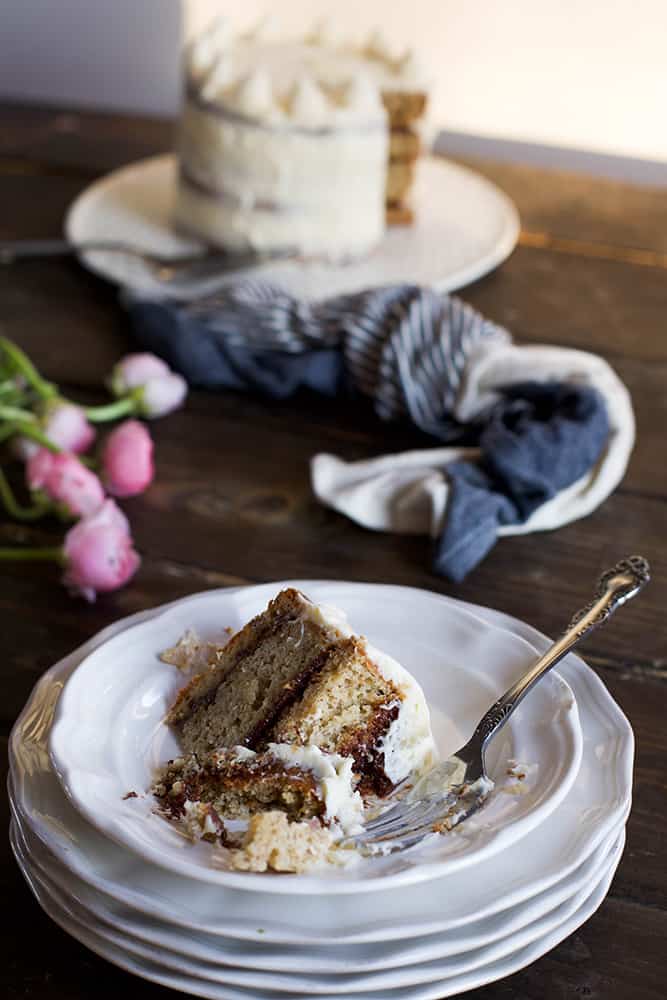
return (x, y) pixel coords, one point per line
(614, 588)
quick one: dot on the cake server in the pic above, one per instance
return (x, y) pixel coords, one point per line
(456, 788)
(175, 273)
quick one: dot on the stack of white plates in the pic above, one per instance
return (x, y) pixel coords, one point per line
(453, 913)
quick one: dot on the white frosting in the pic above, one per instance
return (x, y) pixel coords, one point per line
(330, 617)
(320, 57)
(333, 774)
(219, 78)
(335, 777)
(324, 32)
(306, 101)
(243, 753)
(266, 29)
(377, 47)
(253, 95)
(360, 94)
(408, 68)
(266, 188)
(408, 744)
(197, 820)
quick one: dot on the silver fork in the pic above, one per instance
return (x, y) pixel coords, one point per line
(458, 786)
(170, 271)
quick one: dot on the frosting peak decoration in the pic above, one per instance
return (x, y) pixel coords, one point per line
(219, 78)
(266, 29)
(360, 94)
(205, 50)
(253, 95)
(377, 47)
(324, 33)
(306, 101)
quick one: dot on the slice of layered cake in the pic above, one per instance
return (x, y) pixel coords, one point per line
(297, 675)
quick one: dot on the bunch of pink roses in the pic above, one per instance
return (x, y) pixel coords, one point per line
(51, 435)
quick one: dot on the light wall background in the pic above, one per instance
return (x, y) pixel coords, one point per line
(575, 74)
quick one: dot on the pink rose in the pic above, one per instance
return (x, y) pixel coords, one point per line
(38, 468)
(127, 459)
(147, 378)
(135, 370)
(66, 481)
(162, 395)
(67, 427)
(99, 553)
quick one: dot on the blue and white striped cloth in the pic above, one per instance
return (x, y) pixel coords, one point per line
(406, 347)
(553, 428)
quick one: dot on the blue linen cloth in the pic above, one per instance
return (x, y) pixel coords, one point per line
(539, 439)
(407, 348)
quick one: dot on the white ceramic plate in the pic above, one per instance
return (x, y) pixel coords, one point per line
(436, 982)
(465, 226)
(105, 747)
(365, 958)
(597, 803)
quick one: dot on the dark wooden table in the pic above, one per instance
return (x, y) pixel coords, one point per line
(232, 504)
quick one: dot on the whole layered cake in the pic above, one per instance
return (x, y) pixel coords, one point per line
(300, 144)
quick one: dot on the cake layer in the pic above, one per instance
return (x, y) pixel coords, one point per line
(351, 726)
(260, 672)
(404, 144)
(237, 783)
(399, 214)
(400, 176)
(274, 843)
(404, 107)
(302, 782)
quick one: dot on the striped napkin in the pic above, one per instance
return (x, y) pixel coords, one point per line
(534, 437)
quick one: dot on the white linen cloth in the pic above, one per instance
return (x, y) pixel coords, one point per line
(407, 492)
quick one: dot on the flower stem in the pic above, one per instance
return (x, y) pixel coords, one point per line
(9, 388)
(22, 363)
(111, 411)
(17, 413)
(47, 554)
(32, 432)
(14, 509)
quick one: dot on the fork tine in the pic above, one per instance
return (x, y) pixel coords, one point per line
(416, 834)
(405, 819)
(422, 813)
(397, 812)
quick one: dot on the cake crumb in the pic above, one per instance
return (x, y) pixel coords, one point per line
(519, 775)
(130, 795)
(192, 654)
(273, 843)
(200, 821)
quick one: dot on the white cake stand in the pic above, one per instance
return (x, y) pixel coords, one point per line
(465, 226)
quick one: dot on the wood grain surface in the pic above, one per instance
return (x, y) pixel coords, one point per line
(232, 503)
